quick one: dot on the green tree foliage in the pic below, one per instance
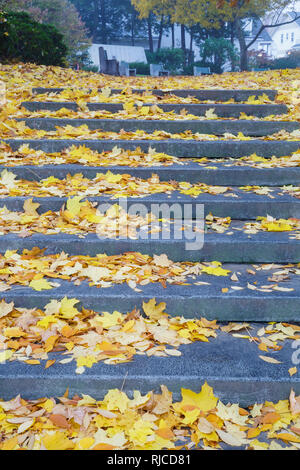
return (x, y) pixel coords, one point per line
(24, 39)
(216, 51)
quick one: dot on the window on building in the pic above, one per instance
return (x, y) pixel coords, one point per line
(292, 37)
(287, 36)
(281, 39)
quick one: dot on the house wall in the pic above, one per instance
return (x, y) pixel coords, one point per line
(284, 38)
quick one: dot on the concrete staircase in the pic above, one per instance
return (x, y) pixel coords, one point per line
(231, 366)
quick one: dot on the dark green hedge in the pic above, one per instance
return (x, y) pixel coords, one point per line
(23, 39)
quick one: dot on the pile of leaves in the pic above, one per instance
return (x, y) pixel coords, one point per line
(32, 268)
(88, 337)
(148, 422)
(83, 155)
(116, 185)
(78, 218)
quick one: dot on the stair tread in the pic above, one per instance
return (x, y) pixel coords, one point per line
(238, 246)
(194, 299)
(221, 109)
(255, 128)
(224, 173)
(177, 147)
(222, 94)
(230, 365)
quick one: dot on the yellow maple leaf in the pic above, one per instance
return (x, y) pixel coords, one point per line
(116, 400)
(30, 208)
(45, 322)
(86, 361)
(204, 400)
(110, 319)
(215, 269)
(74, 205)
(40, 284)
(57, 441)
(5, 355)
(153, 311)
(67, 309)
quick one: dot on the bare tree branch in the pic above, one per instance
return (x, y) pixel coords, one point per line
(264, 26)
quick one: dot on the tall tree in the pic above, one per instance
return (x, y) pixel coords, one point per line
(149, 9)
(108, 20)
(213, 13)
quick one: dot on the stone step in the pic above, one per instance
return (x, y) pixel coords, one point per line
(247, 206)
(221, 110)
(212, 127)
(221, 174)
(237, 247)
(213, 94)
(175, 147)
(230, 365)
(213, 299)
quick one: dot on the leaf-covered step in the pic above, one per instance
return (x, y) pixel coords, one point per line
(232, 246)
(230, 365)
(178, 148)
(210, 94)
(213, 173)
(221, 110)
(245, 206)
(228, 292)
(212, 127)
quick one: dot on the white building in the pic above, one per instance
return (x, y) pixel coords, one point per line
(276, 41)
(286, 37)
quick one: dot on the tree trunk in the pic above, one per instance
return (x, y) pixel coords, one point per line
(243, 46)
(132, 28)
(150, 35)
(190, 60)
(173, 35)
(96, 20)
(183, 45)
(161, 30)
(103, 32)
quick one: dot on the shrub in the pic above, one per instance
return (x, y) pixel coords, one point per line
(22, 38)
(171, 59)
(291, 61)
(141, 68)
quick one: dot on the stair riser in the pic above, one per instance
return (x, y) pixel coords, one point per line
(247, 209)
(245, 391)
(195, 173)
(221, 110)
(212, 127)
(260, 248)
(177, 148)
(214, 95)
(188, 301)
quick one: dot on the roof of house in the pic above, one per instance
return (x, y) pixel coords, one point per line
(298, 20)
(264, 35)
